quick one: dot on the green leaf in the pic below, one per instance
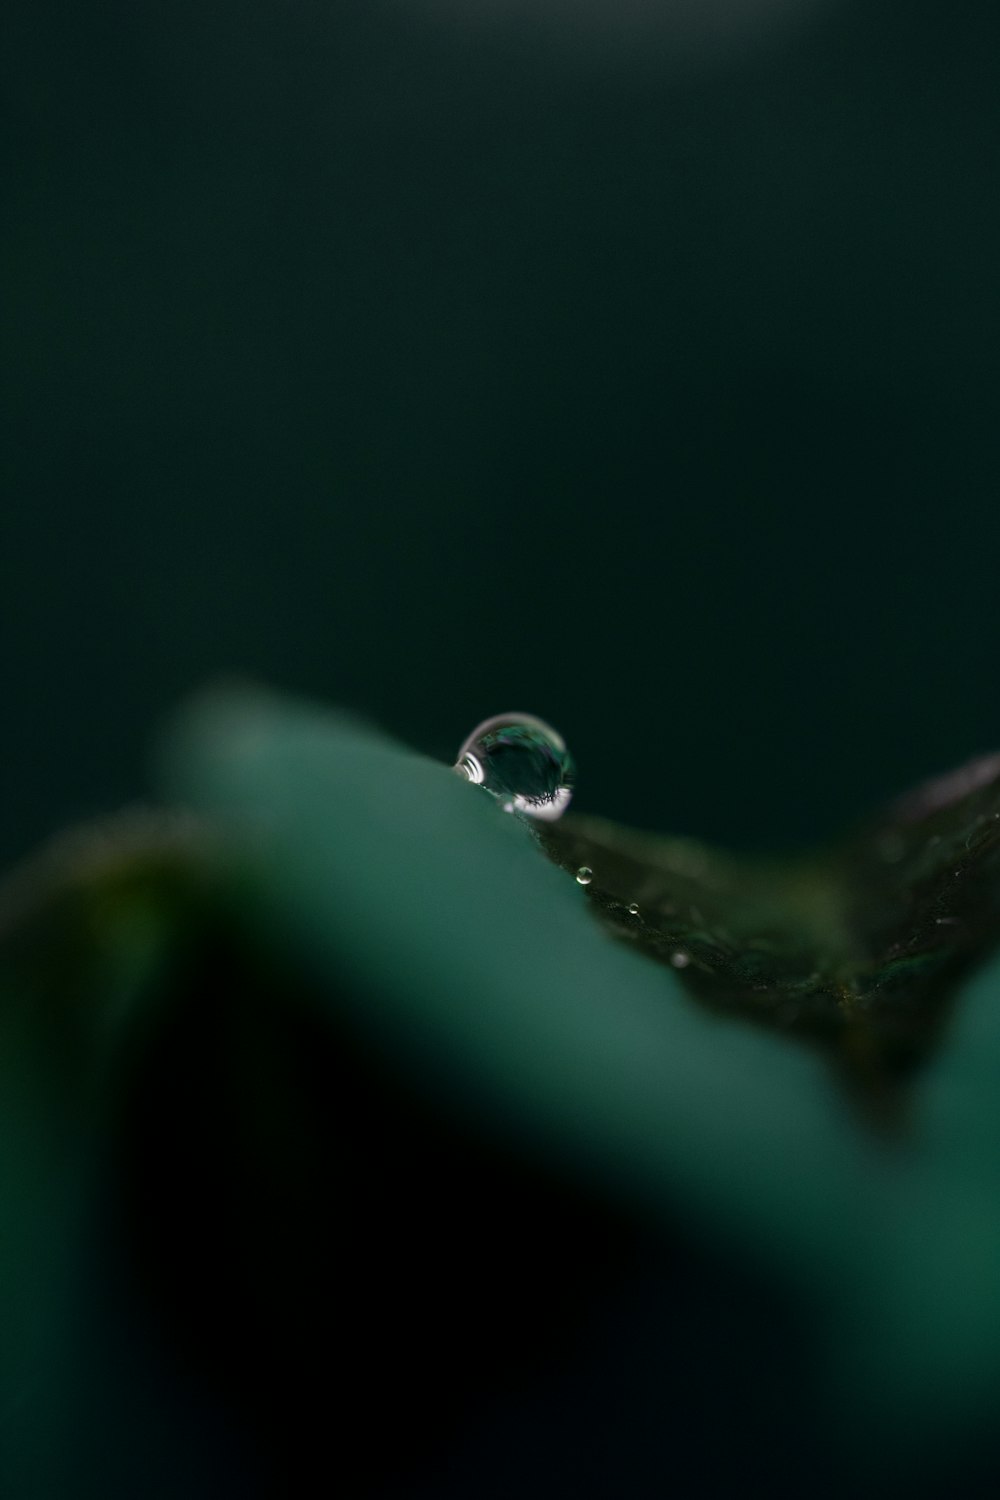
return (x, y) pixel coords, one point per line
(481, 967)
(145, 974)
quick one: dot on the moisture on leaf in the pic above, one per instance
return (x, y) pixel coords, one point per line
(858, 949)
(335, 929)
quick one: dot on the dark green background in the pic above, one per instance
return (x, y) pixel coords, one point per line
(436, 371)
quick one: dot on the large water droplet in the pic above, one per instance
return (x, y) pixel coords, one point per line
(584, 875)
(522, 761)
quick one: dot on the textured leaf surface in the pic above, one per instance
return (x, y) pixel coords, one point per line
(858, 949)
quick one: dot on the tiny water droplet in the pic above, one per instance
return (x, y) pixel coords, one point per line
(522, 761)
(680, 959)
(634, 909)
(584, 875)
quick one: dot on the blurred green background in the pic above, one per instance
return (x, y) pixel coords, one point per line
(632, 364)
(641, 380)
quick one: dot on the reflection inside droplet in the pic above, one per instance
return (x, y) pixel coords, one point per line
(633, 910)
(584, 875)
(522, 761)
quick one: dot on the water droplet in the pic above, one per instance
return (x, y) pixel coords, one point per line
(522, 761)
(633, 909)
(584, 875)
(680, 959)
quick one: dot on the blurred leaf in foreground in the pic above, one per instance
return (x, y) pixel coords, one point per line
(350, 1072)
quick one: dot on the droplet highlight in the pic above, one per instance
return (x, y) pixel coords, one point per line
(584, 875)
(523, 762)
(633, 910)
